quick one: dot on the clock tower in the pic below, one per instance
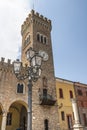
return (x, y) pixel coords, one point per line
(36, 33)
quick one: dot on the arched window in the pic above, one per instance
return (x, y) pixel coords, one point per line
(41, 38)
(71, 94)
(20, 88)
(46, 124)
(60, 93)
(45, 40)
(38, 37)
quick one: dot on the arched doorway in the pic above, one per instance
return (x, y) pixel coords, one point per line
(17, 116)
(23, 119)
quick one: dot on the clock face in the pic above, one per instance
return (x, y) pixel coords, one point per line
(44, 55)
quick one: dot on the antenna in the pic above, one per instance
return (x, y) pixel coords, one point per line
(33, 4)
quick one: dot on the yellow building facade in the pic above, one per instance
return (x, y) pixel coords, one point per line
(65, 91)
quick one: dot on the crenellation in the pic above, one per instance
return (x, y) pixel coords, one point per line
(37, 14)
(9, 61)
(27, 19)
(41, 16)
(45, 19)
(2, 59)
(49, 21)
(33, 13)
(24, 22)
(5, 66)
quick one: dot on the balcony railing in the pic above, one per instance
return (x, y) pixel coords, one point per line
(47, 100)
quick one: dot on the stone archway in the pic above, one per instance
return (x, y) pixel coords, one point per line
(17, 116)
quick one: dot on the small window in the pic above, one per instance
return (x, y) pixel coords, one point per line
(60, 93)
(79, 92)
(38, 37)
(71, 94)
(28, 39)
(41, 38)
(45, 40)
(62, 115)
(46, 124)
(20, 88)
(9, 119)
(85, 119)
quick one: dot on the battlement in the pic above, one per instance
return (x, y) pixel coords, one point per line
(40, 16)
(2, 61)
(6, 66)
(33, 17)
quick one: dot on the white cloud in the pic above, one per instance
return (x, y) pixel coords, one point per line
(12, 15)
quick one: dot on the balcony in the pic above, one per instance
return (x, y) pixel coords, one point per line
(46, 99)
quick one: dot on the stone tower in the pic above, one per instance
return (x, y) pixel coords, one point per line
(36, 33)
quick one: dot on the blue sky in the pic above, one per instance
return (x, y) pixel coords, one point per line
(69, 33)
(69, 36)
